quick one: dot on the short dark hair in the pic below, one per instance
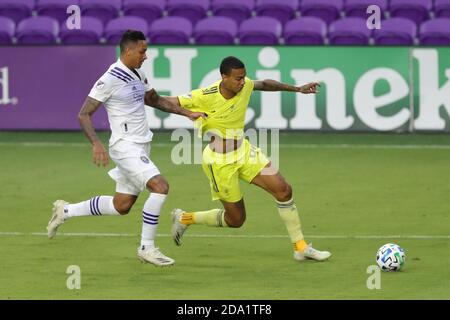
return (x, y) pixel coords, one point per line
(230, 63)
(130, 36)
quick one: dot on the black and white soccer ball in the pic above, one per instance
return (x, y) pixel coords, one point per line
(391, 257)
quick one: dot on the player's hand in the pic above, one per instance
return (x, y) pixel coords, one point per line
(99, 154)
(311, 87)
(195, 115)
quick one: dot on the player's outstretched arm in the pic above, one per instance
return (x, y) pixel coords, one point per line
(272, 85)
(99, 154)
(169, 104)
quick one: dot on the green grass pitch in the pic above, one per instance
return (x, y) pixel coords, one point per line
(355, 193)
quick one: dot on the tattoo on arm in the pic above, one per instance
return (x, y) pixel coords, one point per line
(272, 85)
(84, 117)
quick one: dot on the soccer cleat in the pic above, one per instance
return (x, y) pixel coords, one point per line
(154, 256)
(57, 217)
(311, 253)
(177, 227)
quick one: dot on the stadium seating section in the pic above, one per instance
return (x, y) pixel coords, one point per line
(228, 22)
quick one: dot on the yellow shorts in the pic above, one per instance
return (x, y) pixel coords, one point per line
(225, 169)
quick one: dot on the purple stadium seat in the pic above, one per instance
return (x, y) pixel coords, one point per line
(90, 32)
(358, 8)
(104, 10)
(327, 10)
(282, 10)
(147, 10)
(55, 8)
(215, 30)
(238, 10)
(415, 10)
(16, 10)
(191, 10)
(170, 30)
(349, 31)
(260, 30)
(442, 8)
(116, 27)
(305, 31)
(435, 32)
(395, 32)
(37, 30)
(7, 29)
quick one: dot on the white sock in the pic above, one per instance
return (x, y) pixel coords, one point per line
(97, 206)
(150, 217)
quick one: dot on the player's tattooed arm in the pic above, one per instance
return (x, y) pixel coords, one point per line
(272, 85)
(169, 104)
(99, 154)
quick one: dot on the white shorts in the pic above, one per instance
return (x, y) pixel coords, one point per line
(133, 166)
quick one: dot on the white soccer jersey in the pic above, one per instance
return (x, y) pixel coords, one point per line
(122, 92)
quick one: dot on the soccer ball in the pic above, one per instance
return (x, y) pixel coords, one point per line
(391, 257)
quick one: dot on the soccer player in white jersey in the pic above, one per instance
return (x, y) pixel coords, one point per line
(124, 90)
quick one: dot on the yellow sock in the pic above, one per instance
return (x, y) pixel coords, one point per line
(213, 218)
(187, 218)
(289, 214)
(300, 245)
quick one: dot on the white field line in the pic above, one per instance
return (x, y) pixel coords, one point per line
(256, 236)
(281, 145)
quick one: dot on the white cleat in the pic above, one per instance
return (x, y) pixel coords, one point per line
(154, 256)
(177, 227)
(311, 253)
(57, 218)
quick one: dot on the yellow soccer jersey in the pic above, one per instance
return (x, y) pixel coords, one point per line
(225, 116)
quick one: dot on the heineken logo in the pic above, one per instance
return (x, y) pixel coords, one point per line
(363, 89)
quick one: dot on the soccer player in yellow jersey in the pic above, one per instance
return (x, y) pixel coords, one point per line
(229, 157)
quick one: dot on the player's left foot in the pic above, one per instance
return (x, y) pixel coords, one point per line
(311, 253)
(177, 227)
(57, 218)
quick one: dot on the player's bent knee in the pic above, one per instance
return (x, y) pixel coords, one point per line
(162, 188)
(159, 185)
(285, 193)
(165, 188)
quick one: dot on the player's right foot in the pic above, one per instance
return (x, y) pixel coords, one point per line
(311, 253)
(154, 256)
(177, 227)
(57, 218)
